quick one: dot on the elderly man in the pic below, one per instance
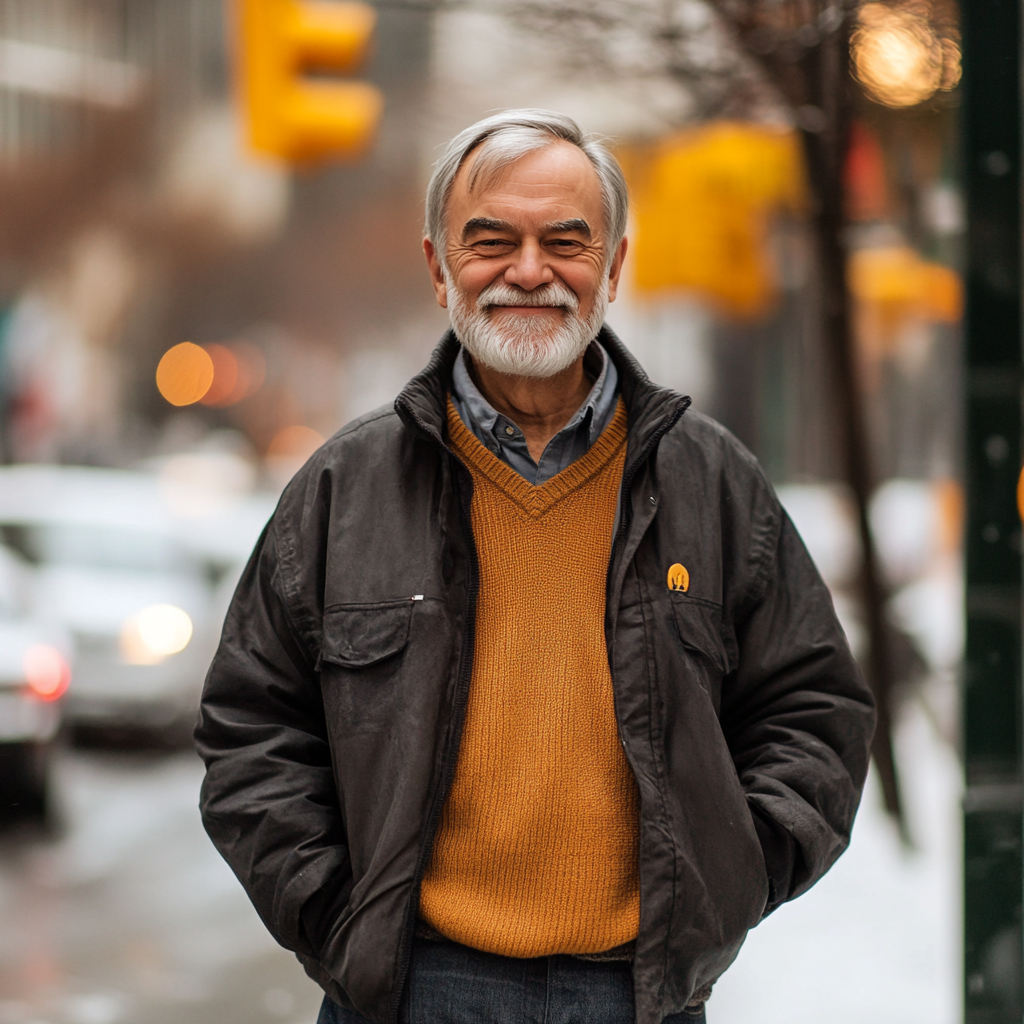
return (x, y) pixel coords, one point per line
(530, 702)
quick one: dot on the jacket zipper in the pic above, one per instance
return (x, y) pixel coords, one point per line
(627, 518)
(462, 694)
(450, 755)
(627, 481)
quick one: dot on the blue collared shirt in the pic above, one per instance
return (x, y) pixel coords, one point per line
(500, 435)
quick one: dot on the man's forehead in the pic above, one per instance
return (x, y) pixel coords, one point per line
(555, 184)
(558, 172)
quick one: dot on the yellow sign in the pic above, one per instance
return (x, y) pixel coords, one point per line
(678, 578)
(894, 282)
(292, 117)
(703, 201)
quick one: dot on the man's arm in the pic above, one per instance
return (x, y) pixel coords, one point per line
(798, 718)
(269, 801)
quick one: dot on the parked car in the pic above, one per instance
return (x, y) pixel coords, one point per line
(134, 582)
(35, 670)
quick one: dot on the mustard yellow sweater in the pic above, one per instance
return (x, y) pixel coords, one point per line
(537, 848)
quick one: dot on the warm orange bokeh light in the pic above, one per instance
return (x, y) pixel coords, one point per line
(238, 371)
(225, 375)
(296, 442)
(898, 57)
(184, 374)
(46, 672)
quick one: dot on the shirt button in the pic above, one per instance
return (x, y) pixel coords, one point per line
(510, 431)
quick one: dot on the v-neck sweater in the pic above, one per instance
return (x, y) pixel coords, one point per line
(537, 849)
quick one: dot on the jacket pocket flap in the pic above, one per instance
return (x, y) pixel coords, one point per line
(699, 625)
(358, 636)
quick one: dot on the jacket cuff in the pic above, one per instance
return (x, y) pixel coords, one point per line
(321, 912)
(781, 857)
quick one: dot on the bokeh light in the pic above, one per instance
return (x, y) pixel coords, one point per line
(295, 443)
(898, 57)
(225, 375)
(155, 633)
(184, 374)
(46, 672)
(239, 371)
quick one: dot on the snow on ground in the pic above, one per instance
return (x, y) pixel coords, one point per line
(878, 939)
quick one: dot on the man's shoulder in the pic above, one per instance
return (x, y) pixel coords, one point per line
(362, 472)
(374, 454)
(378, 425)
(375, 439)
(698, 436)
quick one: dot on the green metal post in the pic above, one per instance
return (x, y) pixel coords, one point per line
(993, 875)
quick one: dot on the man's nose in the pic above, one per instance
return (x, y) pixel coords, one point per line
(530, 268)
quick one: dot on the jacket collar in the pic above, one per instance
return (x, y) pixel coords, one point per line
(651, 409)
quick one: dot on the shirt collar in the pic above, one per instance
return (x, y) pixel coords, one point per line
(487, 418)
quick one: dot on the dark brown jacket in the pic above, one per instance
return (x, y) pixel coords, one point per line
(332, 712)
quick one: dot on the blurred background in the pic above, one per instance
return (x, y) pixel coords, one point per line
(190, 303)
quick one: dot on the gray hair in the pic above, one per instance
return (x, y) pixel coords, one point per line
(506, 138)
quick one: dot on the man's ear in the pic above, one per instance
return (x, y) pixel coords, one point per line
(615, 270)
(436, 273)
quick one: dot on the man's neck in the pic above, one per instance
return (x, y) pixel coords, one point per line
(539, 406)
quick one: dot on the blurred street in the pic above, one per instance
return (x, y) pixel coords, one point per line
(130, 916)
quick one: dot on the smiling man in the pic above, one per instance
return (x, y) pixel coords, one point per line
(530, 702)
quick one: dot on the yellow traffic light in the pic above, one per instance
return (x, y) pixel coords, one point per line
(288, 115)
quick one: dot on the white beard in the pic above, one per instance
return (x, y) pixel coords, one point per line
(525, 346)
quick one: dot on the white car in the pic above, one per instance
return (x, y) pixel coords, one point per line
(140, 587)
(35, 670)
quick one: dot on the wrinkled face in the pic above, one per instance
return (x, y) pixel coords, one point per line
(527, 276)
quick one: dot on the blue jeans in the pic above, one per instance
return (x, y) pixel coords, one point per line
(452, 984)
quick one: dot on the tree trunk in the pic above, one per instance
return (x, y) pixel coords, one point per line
(825, 152)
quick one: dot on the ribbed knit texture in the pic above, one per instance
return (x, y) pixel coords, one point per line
(537, 848)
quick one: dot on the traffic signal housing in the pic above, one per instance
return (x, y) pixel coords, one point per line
(289, 115)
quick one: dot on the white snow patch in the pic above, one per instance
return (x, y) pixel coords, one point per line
(879, 937)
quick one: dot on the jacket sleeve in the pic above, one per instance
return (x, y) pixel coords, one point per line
(798, 717)
(268, 800)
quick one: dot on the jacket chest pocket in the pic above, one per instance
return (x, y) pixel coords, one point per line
(361, 660)
(699, 629)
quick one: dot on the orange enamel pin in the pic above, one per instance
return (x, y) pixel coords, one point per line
(678, 577)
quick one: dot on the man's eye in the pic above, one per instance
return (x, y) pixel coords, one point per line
(492, 243)
(566, 245)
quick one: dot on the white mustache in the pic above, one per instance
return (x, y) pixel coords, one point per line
(553, 294)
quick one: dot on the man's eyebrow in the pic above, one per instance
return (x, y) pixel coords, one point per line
(484, 224)
(575, 224)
